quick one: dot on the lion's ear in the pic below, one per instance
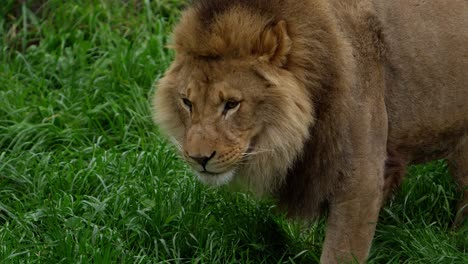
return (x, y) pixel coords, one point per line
(275, 44)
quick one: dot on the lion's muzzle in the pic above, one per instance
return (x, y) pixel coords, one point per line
(202, 160)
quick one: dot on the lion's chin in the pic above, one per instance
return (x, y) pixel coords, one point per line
(216, 179)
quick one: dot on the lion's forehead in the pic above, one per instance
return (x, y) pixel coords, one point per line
(215, 90)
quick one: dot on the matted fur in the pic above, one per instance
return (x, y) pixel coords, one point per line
(327, 94)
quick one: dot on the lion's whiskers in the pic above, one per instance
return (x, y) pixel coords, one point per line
(241, 162)
(177, 145)
(256, 152)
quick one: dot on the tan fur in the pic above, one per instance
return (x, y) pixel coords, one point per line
(329, 102)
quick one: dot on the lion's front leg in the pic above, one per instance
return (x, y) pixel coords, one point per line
(353, 215)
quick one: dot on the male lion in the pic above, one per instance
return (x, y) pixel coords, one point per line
(322, 103)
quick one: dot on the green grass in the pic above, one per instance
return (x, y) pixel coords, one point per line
(85, 176)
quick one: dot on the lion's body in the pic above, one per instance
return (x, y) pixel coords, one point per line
(426, 75)
(320, 102)
(426, 80)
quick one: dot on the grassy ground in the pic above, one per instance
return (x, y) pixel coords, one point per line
(86, 178)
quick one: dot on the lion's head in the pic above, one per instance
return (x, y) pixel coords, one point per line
(229, 102)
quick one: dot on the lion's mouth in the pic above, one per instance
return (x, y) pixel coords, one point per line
(216, 179)
(209, 172)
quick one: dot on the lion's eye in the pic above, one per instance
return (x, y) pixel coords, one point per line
(187, 103)
(230, 105)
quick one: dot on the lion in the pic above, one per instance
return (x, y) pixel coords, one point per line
(321, 104)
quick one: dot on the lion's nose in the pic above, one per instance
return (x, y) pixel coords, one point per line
(203, 160)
